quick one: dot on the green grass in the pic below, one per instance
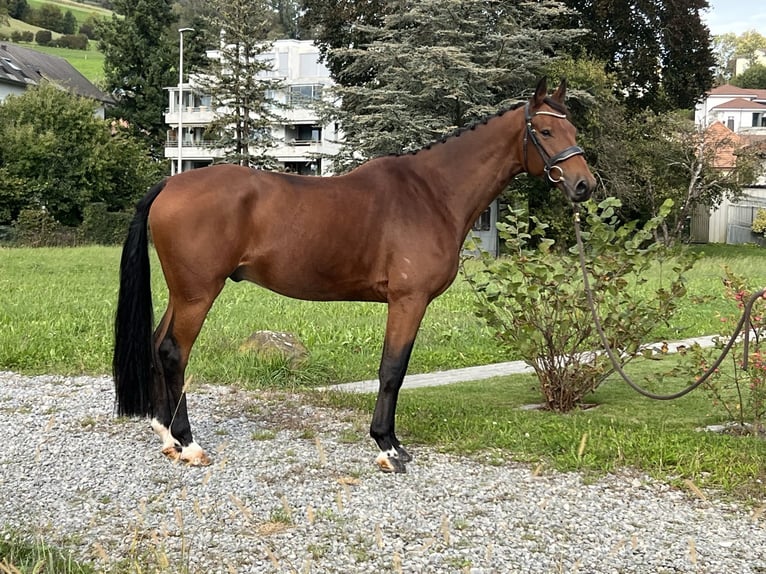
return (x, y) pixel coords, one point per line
(58, 305)
(90, 63)
(661, 438)
(18, 555)
(80, 11)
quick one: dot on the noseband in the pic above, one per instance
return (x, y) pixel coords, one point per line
(550, 161)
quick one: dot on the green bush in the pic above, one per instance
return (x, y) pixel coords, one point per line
(72, 41)
(535, 302)
(759, 223)
(103, 227)
(43, 37)
(38, 228)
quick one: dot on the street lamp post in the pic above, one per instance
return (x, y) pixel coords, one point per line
(181, 31)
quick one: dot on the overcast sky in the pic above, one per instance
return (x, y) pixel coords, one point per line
(736, 16)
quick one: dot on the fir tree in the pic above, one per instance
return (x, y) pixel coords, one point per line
(240, 82)
(436, 65)
(140, 61)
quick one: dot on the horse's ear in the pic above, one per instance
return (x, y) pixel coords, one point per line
(540, 92)
(561, 92)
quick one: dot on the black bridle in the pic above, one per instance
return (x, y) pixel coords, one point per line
(551, 162)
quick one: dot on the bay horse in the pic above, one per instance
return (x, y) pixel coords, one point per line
(389, 231)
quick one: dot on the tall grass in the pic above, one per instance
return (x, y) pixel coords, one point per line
(57, 307)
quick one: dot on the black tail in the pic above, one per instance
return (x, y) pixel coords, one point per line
(133, 362)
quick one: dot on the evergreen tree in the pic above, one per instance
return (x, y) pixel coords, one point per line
(436, 65)
(335, 24)
(240, 82)
(140, 60)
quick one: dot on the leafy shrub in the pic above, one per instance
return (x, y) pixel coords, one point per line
(38, 228)
(43, 37)
(22, 36)
(102, 226)
(759, 223)
(72, 41)
(740, 393)
(535, 302)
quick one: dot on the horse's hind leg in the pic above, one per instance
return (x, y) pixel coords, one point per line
(174, 338)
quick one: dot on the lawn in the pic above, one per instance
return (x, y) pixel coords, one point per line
(72, 332)
(90, 63)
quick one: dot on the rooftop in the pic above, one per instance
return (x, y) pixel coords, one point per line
(23, 66)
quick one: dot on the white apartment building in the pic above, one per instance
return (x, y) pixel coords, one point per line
(301, 135)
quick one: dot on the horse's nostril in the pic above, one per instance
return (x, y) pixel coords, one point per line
(582, 189)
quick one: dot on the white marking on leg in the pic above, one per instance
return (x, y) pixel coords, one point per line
(164, 434)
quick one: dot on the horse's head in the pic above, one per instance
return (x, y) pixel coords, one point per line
(556, 154)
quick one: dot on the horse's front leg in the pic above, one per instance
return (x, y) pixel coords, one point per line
(404, 318)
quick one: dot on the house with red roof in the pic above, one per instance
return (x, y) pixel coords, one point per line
(734, 118)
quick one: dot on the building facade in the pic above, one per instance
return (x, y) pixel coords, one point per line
(302, 138)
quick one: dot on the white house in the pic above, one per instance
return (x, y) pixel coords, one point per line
(22, 68)
(743, 112)
(301, 135)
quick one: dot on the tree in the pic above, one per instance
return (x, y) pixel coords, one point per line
(665, 156)
(659, 50)
(752, 78)
(337, 24)
(724, 50)
(55, 153)
(69, 23)
(240, 84)
(748, 43)
(436, 65)
(140, 60)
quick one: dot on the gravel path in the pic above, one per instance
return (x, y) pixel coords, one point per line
(293, 489)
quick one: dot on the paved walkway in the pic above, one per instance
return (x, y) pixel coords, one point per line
(493, 370)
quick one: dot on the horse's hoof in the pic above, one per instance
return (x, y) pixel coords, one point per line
(172, 452)
(389, 462)
(402, 454)
(193, 455)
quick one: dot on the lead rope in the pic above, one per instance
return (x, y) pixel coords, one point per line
(617, 367)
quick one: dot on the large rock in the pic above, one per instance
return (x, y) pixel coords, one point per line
(270, 344)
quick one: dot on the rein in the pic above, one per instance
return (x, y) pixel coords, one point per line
(550, 161)
(705, 376)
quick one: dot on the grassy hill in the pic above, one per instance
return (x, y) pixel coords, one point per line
(90, 63)
(80, 11)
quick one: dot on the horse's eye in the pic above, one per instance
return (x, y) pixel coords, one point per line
(546, 132)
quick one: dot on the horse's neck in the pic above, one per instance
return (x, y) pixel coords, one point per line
(477, 165)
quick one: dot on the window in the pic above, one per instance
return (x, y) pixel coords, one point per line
(283, 59)
(303, 134)
(303, 96)
(308, 65)
(484, 222)
(730, 123)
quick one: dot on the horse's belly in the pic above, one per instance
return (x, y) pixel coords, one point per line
(311, 285)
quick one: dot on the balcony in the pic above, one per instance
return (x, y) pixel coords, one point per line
(201, 115)
(192, 149)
